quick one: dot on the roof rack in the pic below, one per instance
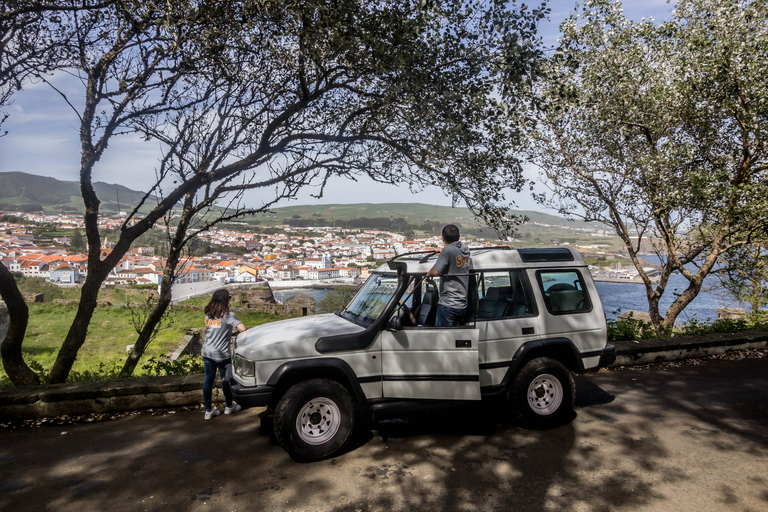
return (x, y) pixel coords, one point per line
(411, 256)
(480, 250)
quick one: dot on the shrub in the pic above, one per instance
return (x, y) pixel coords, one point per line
(184, 365)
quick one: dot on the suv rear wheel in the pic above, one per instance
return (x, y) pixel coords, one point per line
(543, 393)
(314, 419)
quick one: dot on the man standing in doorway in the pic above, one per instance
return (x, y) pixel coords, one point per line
(453, 265)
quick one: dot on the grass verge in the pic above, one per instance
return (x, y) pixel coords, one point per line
(110, 332)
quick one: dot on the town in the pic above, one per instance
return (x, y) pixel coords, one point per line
(287, 255)
(330, 254)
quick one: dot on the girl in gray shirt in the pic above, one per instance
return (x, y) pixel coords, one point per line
(219, 322)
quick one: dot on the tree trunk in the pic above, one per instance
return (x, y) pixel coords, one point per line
(155, 317)
(18, 316)
(147, 332)
(177, 245)
(77, 331)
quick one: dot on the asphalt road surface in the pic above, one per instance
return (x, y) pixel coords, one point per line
(693, 438)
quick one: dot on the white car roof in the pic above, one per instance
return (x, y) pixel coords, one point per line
(496, 258)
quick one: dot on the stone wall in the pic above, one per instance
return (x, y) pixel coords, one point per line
(101, 396)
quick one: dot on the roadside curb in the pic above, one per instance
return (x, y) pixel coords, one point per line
(139, 393)
(109, 396)
(659, 350)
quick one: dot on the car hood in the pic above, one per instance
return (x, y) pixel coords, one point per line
(291, 338)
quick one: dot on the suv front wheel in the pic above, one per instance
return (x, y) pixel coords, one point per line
(543, 393)
(314, 419)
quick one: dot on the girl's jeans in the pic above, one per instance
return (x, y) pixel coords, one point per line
(210, 377)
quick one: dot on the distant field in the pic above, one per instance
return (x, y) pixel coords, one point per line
(109, 333)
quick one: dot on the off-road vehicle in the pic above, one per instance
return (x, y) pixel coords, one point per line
(534, 319)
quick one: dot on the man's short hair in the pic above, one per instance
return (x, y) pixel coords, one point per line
(451, 233)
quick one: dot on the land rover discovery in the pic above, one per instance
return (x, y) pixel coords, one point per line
(534, 319)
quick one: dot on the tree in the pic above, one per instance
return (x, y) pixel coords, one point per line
(30, 46)
(336, 299)
(334, 118)
(282, 95)
(76, 242)
(743, 274)
(659, 131)
(10, 348)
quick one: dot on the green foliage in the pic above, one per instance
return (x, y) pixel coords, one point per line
(147, 287)
(743, 274)
(184, 365)
(104, 371)
(336, 299)
(77, 242)
(660, 130)
(628, 330)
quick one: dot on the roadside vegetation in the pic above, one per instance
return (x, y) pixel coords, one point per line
(625, 330)
(110, 331)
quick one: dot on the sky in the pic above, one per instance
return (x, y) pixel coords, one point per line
(43, 138)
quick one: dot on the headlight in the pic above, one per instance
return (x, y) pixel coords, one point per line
(244, 367)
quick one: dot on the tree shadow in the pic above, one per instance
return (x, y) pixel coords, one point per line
(622, 450)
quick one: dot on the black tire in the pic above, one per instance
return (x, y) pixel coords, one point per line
(314, 419)
(543, 394)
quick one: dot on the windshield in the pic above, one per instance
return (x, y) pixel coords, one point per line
(371, 300)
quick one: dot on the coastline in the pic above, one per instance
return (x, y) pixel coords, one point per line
(605, 279)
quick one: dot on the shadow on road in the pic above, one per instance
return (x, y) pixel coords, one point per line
(622, 450)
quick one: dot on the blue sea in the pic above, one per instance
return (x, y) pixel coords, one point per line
(619, 297)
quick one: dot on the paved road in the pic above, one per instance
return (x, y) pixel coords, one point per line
(682, 439)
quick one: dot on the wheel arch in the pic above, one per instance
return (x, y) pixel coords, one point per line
(331, 368)
(559, 349)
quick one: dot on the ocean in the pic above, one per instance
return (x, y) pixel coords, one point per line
(616, 298)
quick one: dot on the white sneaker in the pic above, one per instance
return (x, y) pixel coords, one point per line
(212, 413)
(232, 410)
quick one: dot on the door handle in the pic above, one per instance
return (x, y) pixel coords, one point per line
(528, 330)
(463, 343)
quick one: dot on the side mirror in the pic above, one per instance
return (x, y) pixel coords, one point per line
(395, 324)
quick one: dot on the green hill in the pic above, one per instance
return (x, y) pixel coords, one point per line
(19, 190)
(27, 192)
(414, 213)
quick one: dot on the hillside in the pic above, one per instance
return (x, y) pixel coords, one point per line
(18, 189)
(414, 213)
(541, 230)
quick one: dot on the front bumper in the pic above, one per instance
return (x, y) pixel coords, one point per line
(247, 396)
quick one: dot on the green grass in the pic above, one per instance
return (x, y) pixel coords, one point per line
(110, 331)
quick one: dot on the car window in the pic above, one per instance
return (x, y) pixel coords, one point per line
(564, 291)
(370, 301)
(502, 295)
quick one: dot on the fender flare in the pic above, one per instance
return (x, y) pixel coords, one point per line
(288, 374)
(545, 345)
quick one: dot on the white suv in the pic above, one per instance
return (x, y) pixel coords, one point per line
(534, 319)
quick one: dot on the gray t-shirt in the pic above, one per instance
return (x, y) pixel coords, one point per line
(454, 259)
(218, 335)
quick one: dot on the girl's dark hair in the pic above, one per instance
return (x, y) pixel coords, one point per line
(219, 304)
